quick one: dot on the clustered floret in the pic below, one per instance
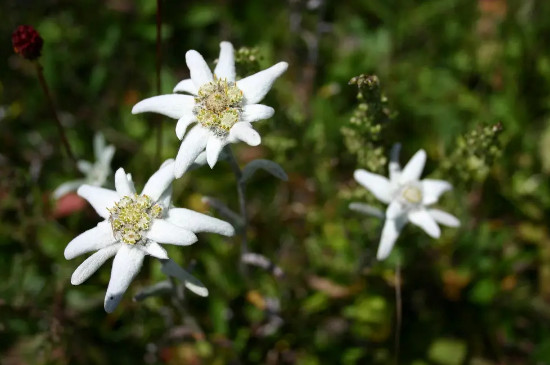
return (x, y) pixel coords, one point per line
(218, 106)
(131, 217)
(412, 194)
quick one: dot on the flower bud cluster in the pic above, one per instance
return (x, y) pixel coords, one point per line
(247, 60)
(132, 216)
(27, 42)
(474, 154)
(218, 106)
(363, 134)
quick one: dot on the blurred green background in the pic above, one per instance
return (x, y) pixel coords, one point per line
(479, 295)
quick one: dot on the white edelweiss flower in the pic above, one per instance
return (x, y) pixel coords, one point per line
(96, 173)
(222, 107)
(133, 227)
(408, 198)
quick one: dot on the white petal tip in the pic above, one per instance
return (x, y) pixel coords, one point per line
(111, 302)
(192, 54)
(284, 65)
(69, 254)
(202, 292)
(138, 108)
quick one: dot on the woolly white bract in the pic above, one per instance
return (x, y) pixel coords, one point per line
(408, 198)
(133, 227)
(222, 107)
(96, 173)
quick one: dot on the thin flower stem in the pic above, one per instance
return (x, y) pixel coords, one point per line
(61, 130)
(241, 191)
(158, 78)
(398, 311)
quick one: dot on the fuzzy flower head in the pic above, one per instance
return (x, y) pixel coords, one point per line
(27, 42)
(96, 173)
(409, 199)
(134, 225)
(222, 107)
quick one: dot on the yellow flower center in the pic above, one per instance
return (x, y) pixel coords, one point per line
(131, 217)
(218, 106)
(412, 194)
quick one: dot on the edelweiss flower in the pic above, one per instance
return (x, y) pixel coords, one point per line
(96, 173)
(408, 197)
(134, 226)
(222, 107)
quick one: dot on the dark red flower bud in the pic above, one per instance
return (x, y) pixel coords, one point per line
(27, 42)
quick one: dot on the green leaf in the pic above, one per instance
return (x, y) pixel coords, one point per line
(272, 167)
(158, 289)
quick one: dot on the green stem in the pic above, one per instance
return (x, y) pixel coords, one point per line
(241, 191)
(398, 311)
(158, 77)
(61, 130)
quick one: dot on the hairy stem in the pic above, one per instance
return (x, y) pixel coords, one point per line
(241, 191)
(61, 130)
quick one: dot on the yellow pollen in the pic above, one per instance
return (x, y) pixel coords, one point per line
(218, 106)
(132, 216)
(412, 194)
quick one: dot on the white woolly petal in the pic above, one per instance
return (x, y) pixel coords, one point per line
(106, 156)
(84, 166)
(378, 185)
(390, 233)
(424, 220)
(99, 145)
(92, 263)
(413, 169)
(99, 198)
(367, 210)
(394, 166)
(170, 268)
(165, 232)
(244, 132)
(198, 222)
(254, 112)
(225, 68)
(159, 181)
(91, 240)
(131, 183)
(122, 185)
(126, 265)
(200, 72)
(444, 218)
(166, 197)
(172, 105)
(186, 86)
(432, 190)
(213, 148)
(201, 158)
(154, 249)
(394, 210)
(191, 146)
(67, 188)
(256, 86)
(183, 123)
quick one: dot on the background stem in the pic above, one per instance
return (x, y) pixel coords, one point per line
(241, 191)
(398, 311)
(61, 130)
(158, 154)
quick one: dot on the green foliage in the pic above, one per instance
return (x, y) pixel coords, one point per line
(449, 75)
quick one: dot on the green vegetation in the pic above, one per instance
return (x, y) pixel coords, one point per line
(467, 80)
